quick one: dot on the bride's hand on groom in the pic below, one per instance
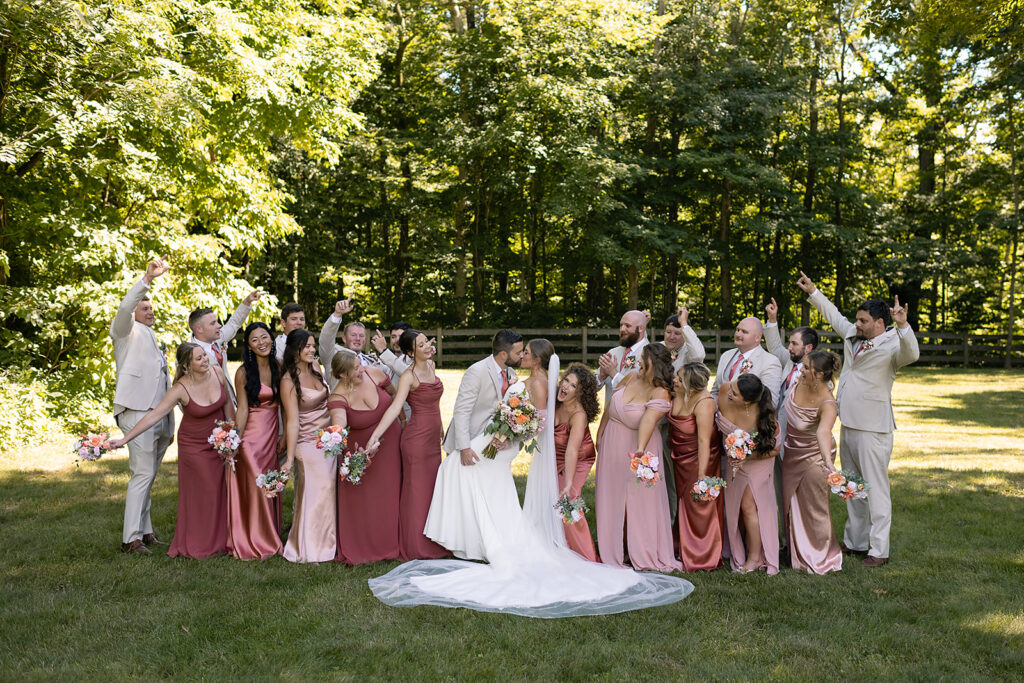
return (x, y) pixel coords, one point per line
(468, 456)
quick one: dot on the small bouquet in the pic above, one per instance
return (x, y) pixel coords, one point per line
(646, 466)
(708, 489)
(746, 366)
(225, 440)
(272, 482)
(739, 446)
(514, 418)
(631, 363)
(353, 466)
(91, 446)
(332, 440)
(571, 509)
(847, 484)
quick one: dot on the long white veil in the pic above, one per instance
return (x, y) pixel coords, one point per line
(542, 480)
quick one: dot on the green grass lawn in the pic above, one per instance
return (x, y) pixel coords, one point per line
(949, 605)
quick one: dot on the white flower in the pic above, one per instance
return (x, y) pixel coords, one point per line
(715, 491)
(702, 486)
(576, 516)
(344, 469)
(654, 462)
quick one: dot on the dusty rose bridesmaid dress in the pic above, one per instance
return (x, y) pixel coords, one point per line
(700, 523)
(421, 456)
(368, 512)
(577, 535)
(812, 541)
(202, 529)
(314, 520)
(254, 521)
(630, 516)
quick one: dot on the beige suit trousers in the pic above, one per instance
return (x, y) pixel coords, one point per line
(868, 520)
(145, 453)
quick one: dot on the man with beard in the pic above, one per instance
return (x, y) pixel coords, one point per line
(802, 341)
(483, 385)
(624, 358)
(388, 351)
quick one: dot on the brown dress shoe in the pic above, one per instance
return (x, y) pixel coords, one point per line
(136, 547)
(850, 551)
(150, 539)
(871, 561)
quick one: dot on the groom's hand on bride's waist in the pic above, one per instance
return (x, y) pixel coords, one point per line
(469, 456)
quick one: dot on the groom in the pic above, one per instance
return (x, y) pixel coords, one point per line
(483, 385)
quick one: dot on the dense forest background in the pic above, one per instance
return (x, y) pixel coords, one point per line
(526, 162)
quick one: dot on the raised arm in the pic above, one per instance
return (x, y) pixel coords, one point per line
(773, 335)
(827, 309)
(693, 351)
(909, 350)
(237, 319)
(329, 332)
(393, 411)
(121, 326)
(175, 394)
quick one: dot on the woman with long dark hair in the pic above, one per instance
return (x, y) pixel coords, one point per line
(575, 408)
(751, 512)
(254, 521)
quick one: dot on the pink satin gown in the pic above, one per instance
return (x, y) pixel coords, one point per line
(577, 535)
(254, 521)
(812, 541)
(626, 510)
(202, 529)
(759, 476)
(421, 456)
(368, 512)
(314, 519)
(700, 523)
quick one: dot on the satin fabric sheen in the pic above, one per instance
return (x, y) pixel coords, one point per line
(812, 542)
(202, 529)
(368, 511)
(577, 535)
(254, 521)
(622, 503)
(313, 536)
(421, 456)
(700, 523)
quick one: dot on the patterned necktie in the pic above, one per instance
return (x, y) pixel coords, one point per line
(736, 364)
(218, 353)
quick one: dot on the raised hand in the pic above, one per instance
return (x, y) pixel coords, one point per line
(378, 341)
(251, 297)
(899, 313)
(342, 307)
(155, 269)
(805, 283)
(683, 315)
(772, 310)
(647, 317)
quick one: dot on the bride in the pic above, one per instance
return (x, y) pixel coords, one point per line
(530, 571)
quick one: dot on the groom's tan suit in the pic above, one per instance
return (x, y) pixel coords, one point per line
(142, 381)
(479, 391)
(865, 409)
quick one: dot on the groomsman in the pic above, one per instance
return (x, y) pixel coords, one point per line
(802, 341)
(389, 352)
(483, 385)
(142, 381)
(681, 340)
(293, 317)
(872, 353)
(748, 356)
(614, 365)
(208, 332)
(353, 338)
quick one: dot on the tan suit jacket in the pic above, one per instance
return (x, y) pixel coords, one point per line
(766, 366)
(227, 332)
(617, 355)
(773, 340)
(479, 391)
(692, 351)
(865, 383)
(142, 378)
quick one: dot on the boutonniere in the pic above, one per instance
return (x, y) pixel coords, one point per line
(675, 354)
(632, 363)
(867, 345)
(746, 366)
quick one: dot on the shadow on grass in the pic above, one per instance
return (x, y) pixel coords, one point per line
(995, 409)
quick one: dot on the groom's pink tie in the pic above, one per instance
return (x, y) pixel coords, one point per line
(504, 382)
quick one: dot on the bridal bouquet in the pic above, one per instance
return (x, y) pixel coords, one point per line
(225, 440)
(571, 509)
(517, 419)
(646, 466)
(353, 465)
(708, 489)
(332, 440)
(91, 446)
(272, 482)
(847, 484)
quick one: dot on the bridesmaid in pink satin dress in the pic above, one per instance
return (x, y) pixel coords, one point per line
(575, 407)
(304, 400)
(696, 453)
(254, 521)
(368, 528)
(625, 507)
(201, 389)
(750, 492)
(421, 388)
(810, 455)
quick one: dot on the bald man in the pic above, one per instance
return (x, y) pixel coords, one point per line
(615, 365)
(748, 356)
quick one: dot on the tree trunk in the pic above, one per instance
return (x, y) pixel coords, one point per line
(1015, 184)
(633, 297)
(725, 282)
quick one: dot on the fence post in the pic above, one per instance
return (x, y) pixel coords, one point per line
(718, 345)
(440, 340)
(967, 350)
(583, 344)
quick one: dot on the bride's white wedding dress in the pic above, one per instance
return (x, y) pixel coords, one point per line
(475, 513)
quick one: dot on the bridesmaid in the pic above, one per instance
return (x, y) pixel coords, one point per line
(304, 401)
(254, 521)
(368, 528)
(421, 388)
(747, 404)
(201, 389)
(810, 453)
(575, 408)
(627, 511)
(696, 453)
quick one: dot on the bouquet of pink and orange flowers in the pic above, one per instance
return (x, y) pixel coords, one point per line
(708, 488)
(272, 482)
(514, 418)
(572, 510)
(739, 446)
(847, 485)
(225, 440)
(353, 465)
(332, 440)
(91, 446)
(646, 466)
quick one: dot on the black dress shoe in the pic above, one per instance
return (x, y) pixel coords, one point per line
(150, 539)
(851, 551)
(136, 547)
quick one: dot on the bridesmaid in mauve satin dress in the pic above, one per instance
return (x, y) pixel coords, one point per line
(810, 455)
(751, 512)
(254, 521)
(632, 517)
(421, 388)
(314, 520)
(367, 512)
(575, 407)
(696, 453)
(202, 529)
